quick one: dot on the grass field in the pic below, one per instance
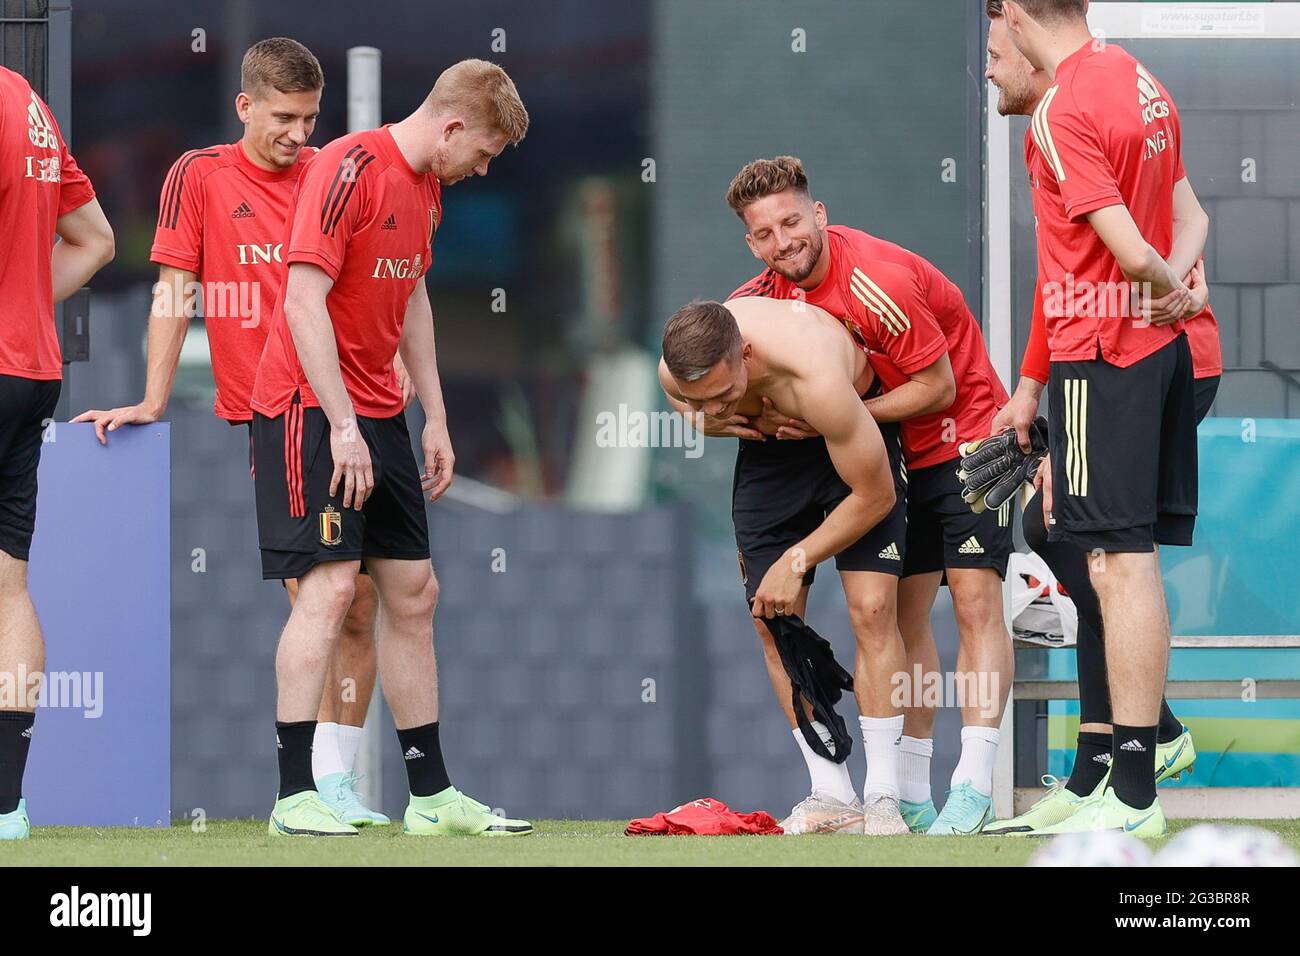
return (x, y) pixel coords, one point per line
(556, 843)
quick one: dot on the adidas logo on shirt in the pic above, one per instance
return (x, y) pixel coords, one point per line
(27, 733)
(390, 223)
(971, 546)
(415, 753)
(243, 212)
(1134, 745)
(891, 553)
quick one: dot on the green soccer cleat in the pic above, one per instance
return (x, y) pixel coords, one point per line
(1105, 811)
(1175, 758)
(338, 792)
(452, 813)
(14, 825)
(1048, 810)
(966, 812)
(306, 814)
(918, 816)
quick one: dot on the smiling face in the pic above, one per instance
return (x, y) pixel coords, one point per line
(721, 389)
(787, 231)
(1008, 70)
(277, 125)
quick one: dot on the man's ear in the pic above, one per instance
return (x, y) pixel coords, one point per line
(819, 214)
(749, 241)
(451, 127)
(243, 106)
(746, 351)
(1011, 10)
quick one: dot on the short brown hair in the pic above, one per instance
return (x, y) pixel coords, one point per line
(765, 177)
(1052, 11)
(699, 336)
(993, 9)
(282, 64)
(484, 91)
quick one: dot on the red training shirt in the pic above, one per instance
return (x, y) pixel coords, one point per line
(1202, 328)
(223, 218)
(362, 214)
(1107, 134)
(908, 314)
(42, 182)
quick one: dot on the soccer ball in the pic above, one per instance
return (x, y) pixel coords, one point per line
(1101, 848)
(1208, 844)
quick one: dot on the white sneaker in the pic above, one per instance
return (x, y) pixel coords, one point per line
(880, 816)
(819, 812)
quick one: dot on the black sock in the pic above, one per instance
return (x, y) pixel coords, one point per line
(1133, 765)
(15, 739)
(1091, 760)
(1170, 726)
(422, 754)
(294, 743)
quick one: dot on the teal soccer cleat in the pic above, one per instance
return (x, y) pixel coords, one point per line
(966, 812)
(14, 825)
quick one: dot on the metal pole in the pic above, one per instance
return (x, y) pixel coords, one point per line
(363, 113)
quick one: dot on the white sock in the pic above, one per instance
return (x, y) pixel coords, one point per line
(979, 748)
(325, 751)
(349, 739)
(916, 753)
(826, 775)
(880, 737)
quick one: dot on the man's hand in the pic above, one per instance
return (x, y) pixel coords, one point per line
(351, 465)
(439, 460)
(403, 381)
(780, 587)
(114, 418)
(737, 426)
(1019, 413)
(782, 426)
(1163, 310)
(1043, 479)
(1200, 289)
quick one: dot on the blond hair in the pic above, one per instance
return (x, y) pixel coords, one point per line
(482, 91)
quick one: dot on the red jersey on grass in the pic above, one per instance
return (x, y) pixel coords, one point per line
(41, 183)
(1107, 133)
(362, 214)
(223, 218)
(907, 314)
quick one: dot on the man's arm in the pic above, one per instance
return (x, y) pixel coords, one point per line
(1137, 258)
(929, 390)
(1191, 228)
(86, 247)
(858, 453)
(168, 323)
(307, 314)
(418, 351)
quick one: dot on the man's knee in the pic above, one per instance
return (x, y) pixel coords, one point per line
(327, 589)
(873, 615)
(765, 638)
(360, 620)
(1120, 572)
(416, 597)
(977, 600)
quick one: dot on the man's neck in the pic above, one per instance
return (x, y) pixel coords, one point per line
(255, 158)
(407, 138)
(1059, 46)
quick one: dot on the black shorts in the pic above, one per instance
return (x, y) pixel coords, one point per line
(26, 410)
(782, 492)
(300, 525)
(943, 532)
(1124, 451)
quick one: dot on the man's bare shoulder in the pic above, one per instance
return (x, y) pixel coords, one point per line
(785, 329)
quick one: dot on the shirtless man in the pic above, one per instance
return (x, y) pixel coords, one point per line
(842, 499)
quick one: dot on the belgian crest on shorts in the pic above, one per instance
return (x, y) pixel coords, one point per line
(331, 527)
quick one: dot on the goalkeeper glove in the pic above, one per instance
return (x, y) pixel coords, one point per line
(993, 468)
